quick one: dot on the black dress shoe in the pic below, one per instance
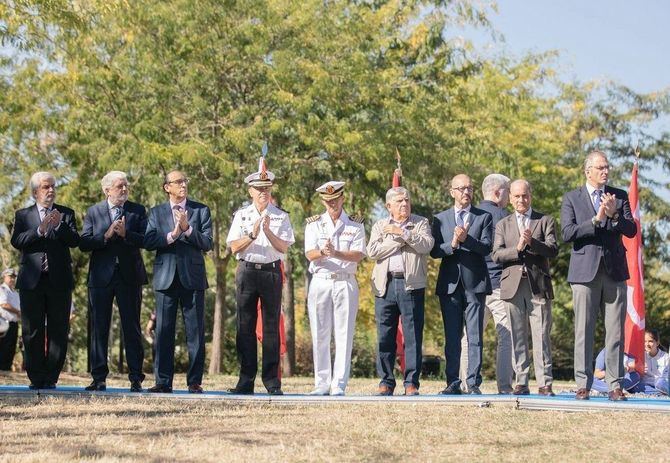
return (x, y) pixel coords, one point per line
(160, 389)
(34, 386)
(195, 389)
(48, 386)
(96, 386)
(275, 391)
(241, 390)
(453, 389)
(135, 386)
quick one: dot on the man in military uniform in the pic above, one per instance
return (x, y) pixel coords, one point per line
(259, 237)
(334, 244)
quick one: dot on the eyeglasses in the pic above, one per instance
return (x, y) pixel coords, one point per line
(601, 168)
(262, 188)
(463, 189)
(179, 181)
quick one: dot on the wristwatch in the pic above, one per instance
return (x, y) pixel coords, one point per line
(595, 221)
(251, 235)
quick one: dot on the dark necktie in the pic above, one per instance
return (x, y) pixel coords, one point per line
(44, 265)
(116, 213)
(459, 220)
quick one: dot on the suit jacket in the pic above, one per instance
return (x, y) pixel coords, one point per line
(56, 246)
(127, 250)
(466, 263)
(534, 257)
(497, 213)
(589, 242)
(413, 251)
(186, 254)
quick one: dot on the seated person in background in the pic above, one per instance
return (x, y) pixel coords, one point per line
(631, 381)
(656, 363)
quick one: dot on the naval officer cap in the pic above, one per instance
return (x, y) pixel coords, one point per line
(9, 271)
(262, 178)
(331, 190)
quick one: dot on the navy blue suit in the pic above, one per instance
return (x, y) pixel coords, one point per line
(462, 285)
(179, 278)
(589, 243)
(116, 270)
(45, 295)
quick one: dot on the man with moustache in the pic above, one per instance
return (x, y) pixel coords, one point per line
(259, 237)
(113, 233)
(462, 242)
(399, 245)
(44, 233)
(180, 231)
(594, 217)
(523, 244)
(334, 244)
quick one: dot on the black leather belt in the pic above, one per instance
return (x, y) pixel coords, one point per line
(268, 266)
(397, 275)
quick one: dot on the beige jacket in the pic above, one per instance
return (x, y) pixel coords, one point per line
(414, 252)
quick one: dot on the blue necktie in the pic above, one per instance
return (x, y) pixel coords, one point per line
(459, 219)
(596, 199)
(116, 213)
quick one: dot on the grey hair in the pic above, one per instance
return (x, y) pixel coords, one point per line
(395, 191)
(493, 183)
(37, 178)
(524, 182)
(588, 162)
(111, 177)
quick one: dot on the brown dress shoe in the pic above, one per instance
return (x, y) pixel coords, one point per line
(195, 389)
(582, 394)
(384, 390)
(616, 395)
(520, 389)
(411, 390)
(546, 390)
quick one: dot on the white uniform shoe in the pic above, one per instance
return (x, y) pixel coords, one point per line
(336, 391)
(319, 392)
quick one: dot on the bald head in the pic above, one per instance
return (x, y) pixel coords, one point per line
(520, 195)
(461, 190)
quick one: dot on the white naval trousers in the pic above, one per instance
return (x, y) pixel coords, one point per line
(332, 305)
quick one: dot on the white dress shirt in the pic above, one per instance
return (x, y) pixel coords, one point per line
(345, 234)
(260, 251)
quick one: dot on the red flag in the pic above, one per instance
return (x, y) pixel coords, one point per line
(400, 338)
(634, 328)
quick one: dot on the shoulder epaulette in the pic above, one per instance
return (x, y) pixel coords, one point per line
(357, 218)
(313, 218)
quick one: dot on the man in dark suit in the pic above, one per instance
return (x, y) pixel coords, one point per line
(495, 190)
(114, 233)
(523, 244)
(180, 231)
(593, 219)
(462, 240)
(44, 233)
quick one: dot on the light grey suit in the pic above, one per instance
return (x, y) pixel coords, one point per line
(525, 286)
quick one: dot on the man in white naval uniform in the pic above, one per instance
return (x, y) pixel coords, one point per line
(259, 237)
(334, 244)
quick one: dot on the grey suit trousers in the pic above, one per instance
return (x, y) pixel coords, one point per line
(524, 309)
(601, 294)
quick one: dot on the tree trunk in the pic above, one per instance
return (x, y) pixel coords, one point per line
(288, 305)
(221, 265)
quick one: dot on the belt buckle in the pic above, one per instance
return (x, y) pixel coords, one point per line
(258, 266)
